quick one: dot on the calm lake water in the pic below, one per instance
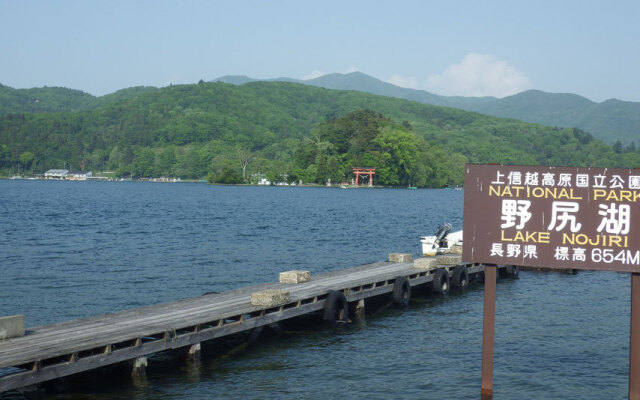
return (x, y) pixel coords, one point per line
(76, 249)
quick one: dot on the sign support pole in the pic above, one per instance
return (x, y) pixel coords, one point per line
(634, 351)
(488, 329)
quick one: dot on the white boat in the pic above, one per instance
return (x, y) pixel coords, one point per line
(441, 242)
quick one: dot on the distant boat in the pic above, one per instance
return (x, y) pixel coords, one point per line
(412, 187)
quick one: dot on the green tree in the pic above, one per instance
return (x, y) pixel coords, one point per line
(115, 158)
(228, 175)
(166, 161)
(191, 164)
(631, 147)
(277, 171)
(144, 162)
(5, 155)
(27, 159)
(128, 155)
(397, 154)
(226, 171)
(617, 147)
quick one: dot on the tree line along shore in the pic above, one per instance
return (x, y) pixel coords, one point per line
(285, 132)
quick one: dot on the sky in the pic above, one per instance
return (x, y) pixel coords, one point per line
(464, 48)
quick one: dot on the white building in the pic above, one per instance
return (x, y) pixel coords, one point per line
(56, 174)
(78, 175)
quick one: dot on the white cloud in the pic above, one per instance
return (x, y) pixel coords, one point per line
(478, 75)
(406, 82)
(314, 74)
(351, 69)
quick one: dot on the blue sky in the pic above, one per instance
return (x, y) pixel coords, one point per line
(467, 48)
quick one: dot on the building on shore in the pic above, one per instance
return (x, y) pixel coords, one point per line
(56, 174)
(65, 174)
(78, 175)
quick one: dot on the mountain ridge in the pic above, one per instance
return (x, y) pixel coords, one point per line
(611, 120)
(60, 99)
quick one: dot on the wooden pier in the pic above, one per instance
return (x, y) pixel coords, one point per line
(57, 350)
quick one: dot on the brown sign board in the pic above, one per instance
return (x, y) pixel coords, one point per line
(552, 217)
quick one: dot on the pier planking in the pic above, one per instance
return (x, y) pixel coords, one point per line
(52, 351)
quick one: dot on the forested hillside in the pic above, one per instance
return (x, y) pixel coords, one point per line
(611, 120)
(58, 99)
(46, 99)
(285, 131)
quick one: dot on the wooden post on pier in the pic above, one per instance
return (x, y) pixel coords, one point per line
(194, 352)
(357, 309)
(139, 367)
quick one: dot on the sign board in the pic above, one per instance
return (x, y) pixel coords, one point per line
(553, 217)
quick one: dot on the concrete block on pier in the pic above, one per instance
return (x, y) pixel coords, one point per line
(456, 249)
(400, 257)
(270, 297)
(11, 326)
(425, 263)
(449, 260)
(295, 276)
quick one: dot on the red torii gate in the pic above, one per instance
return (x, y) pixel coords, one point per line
(364, 171)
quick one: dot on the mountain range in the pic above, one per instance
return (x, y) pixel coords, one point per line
(229, 132)
(612, 120)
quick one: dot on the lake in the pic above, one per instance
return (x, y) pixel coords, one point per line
(77, 249)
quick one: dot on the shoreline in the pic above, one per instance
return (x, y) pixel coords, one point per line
(177, 180)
